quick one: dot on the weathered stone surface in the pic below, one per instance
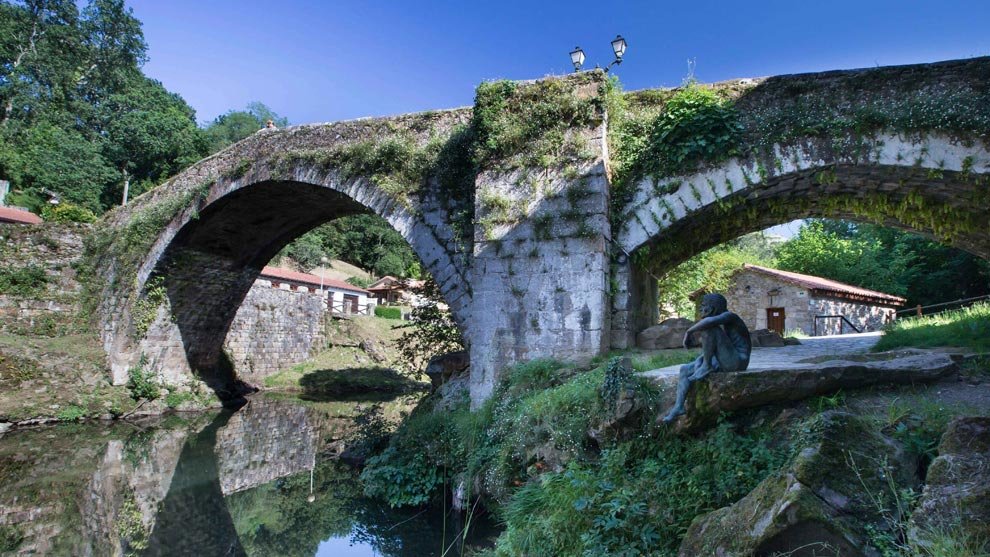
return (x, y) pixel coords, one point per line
(728, 392)
(274, 329)
(957, 489)
(817, 505)
(668, 334)
(442, 368)
(543, 272)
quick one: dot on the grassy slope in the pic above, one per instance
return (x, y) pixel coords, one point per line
(966, 328)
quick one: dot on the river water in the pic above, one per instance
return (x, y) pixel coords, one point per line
(265, 480)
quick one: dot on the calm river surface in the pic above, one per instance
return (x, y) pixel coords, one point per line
(264, 480)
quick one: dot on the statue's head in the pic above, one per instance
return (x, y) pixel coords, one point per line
(713, 304)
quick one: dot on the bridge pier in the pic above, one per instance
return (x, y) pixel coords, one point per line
(634, 302)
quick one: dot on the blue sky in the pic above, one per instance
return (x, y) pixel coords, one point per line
(323, 61)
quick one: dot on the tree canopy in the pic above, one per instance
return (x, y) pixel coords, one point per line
(79, 119)
(885, 259)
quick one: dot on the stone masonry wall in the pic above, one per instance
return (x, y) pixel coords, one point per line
(866, 317)
(540, 278)
(749, 300)
(274, 329)
(53, 248)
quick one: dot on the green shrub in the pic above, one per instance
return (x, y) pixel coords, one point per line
(639, 497)
(388, 312)
(23, 281)
(142, 383)
(411, 469)
(360, 282)
(176, 399)
(67, 212)
(11, 538)
(71, 413)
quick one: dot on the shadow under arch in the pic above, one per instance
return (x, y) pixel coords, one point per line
(213, 260)
(193, 519)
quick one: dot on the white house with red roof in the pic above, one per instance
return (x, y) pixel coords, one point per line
(341, 297)
(784, 301)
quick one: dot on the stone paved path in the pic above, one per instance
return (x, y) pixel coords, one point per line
(789, 356)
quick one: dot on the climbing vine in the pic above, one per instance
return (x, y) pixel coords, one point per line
(840, 113)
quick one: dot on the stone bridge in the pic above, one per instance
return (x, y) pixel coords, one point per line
(543, 211)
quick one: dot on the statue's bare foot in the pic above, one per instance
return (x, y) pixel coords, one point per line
(700, 374)
(673, 415)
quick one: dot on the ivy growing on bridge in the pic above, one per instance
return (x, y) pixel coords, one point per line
(841, 112)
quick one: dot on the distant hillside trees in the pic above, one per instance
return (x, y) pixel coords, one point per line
(367, 241)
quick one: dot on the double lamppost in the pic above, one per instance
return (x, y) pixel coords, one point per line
(618, 47)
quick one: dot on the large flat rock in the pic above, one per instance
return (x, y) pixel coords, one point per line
(729, 392)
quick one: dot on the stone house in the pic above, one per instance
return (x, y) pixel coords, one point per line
(784, 301)
(341, 297)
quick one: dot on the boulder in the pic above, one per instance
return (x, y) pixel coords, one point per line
(374, 350)
(957, 489)
(765, 338)
(820, 504)
(668, 334)
(729, 392)
(441, 368)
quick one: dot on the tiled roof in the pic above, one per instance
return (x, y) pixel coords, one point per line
(10, 214)
(391, 283)
(827, 286)
(306, 278)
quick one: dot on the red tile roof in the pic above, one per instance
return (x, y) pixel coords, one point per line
(827, 286)
(306, 278)
(10, 214)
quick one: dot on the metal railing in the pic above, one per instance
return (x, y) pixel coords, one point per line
(842, 317)
(944, 306)
(346, 307)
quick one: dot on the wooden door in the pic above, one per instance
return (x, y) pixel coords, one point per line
(775, 320)
(352, 301)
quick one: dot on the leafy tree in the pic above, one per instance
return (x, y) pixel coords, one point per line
(307, 250)
(886, 259)
(151, 134)
(856, 259)
(433, 331)
(235, 125)
(78, 118)
(367, 241)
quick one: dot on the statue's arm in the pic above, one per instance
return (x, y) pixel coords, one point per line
(709, 322)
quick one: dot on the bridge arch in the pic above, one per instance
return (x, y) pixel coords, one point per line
(928, 183)
(176, 264)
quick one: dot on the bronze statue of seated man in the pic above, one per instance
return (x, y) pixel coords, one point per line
(725, 346)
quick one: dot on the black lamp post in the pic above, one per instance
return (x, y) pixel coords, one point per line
(618, 47)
